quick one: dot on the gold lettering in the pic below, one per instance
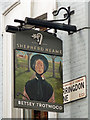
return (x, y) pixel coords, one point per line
(24, 46)
(34, 47)
(46, 49)
(38, 48)
(42, 49)
(57, 51)
(49, 50)
(17, 45)
(60, 51)
(53, 51)
(31, 47)
(28, 46)
(21, 46)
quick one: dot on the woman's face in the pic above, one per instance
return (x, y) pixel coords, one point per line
(39, 66)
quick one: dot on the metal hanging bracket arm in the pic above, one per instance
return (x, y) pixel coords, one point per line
(22, 23)
(67, 16)
(42, 23)
(51, 24)
(70, 13)
(56, 12)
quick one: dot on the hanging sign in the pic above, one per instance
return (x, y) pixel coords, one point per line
(38, 71)
(74, 90)
(37, 41)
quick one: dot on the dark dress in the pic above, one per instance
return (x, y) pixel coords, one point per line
(39, 90)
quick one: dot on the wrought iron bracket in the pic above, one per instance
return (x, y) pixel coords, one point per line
(71, 12)
(67, 16)
(51, 24)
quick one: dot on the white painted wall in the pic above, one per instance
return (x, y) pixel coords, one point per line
(89, 61)
(75, 52)
(0, 68)
(43, 6)
(75, 56)
(21, 11)
(3, 5)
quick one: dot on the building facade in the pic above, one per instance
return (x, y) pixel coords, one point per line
(75, 52)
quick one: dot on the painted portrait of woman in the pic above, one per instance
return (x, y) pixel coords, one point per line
(38, 88)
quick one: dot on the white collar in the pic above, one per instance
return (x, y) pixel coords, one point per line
(37, 78)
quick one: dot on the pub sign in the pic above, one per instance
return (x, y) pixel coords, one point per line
(38, 71)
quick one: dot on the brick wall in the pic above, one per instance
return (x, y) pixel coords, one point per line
(75, 56)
